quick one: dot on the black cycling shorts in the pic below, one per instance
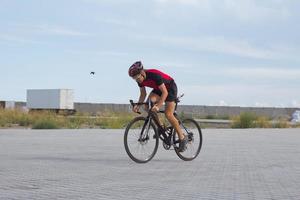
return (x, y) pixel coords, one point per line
(172, 92)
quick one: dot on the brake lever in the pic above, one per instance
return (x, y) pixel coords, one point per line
(133, 104)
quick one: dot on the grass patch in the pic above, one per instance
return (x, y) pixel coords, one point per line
(10, 117)
(263, 122)
(281, 124)
(244, 120)
(45, 124)
(113, 120)
(51, 120)
(250, 120)
(225, 117)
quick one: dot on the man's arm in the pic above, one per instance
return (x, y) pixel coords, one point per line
(142, 98)
(164, 95)
(143, 94)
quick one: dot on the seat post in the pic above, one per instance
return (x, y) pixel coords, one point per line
(176, 106)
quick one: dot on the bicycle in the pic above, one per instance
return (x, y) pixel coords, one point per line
(142, 134)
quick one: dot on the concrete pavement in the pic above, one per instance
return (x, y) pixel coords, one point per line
(92, 164)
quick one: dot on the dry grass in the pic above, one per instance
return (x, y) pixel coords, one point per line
(50, 120)
(110, 120)
(263, 122)
(244, 120)
(250, 120)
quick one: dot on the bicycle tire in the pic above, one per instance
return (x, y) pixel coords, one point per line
(196, 133)
(129, 132)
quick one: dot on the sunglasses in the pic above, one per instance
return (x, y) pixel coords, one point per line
(136, 77)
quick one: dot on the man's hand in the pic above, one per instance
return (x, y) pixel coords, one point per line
(136, 108)
(155, 108)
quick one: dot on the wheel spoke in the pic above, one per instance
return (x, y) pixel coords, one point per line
(143, 150)
(190, 126)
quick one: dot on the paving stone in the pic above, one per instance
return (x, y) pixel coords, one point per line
(92, 164)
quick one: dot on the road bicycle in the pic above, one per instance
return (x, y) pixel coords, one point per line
(142, 134)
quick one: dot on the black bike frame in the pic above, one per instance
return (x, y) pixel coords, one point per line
(151, 116)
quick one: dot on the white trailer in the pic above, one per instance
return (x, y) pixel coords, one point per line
(50, 99)
(7, 104)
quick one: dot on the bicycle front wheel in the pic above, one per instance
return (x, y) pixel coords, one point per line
(140, 141)
(193, 131)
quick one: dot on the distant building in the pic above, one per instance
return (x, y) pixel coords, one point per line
(7, 104)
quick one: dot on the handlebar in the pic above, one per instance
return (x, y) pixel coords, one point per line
(147, 103)
(137, 104)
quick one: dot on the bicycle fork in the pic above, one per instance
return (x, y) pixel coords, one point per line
(145, 130)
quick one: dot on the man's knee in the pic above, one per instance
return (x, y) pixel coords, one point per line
(153, 98)
(169, 115)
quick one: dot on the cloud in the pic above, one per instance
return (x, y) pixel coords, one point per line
(48, 30)
(295, 103)
(262, 104)
(184, 2)
(110, 2)
(118, 22)
(264, 73)
(23, 33)
(106, 53)
(220, 44)
(222, 103)
(18, 39)
(58, 30)
(251, 10)
(243, 10)
(240, 94)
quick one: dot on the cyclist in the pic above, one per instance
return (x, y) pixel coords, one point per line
(164, 90)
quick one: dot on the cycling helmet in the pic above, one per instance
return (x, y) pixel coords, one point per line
(135, 68)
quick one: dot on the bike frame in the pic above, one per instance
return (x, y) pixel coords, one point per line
(137, 135)
(151, 116)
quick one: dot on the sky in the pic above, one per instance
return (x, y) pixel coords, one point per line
(220, 52)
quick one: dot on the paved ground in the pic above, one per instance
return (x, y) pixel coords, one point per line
(92, 164)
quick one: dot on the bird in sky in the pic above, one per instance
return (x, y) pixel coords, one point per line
(92, 73)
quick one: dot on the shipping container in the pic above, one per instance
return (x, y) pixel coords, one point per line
(56, 99)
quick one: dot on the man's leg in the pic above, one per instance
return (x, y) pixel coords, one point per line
(169, 112)
(154, 98)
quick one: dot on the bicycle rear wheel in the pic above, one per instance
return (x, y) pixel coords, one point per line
(140, 149)
(193, 131)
